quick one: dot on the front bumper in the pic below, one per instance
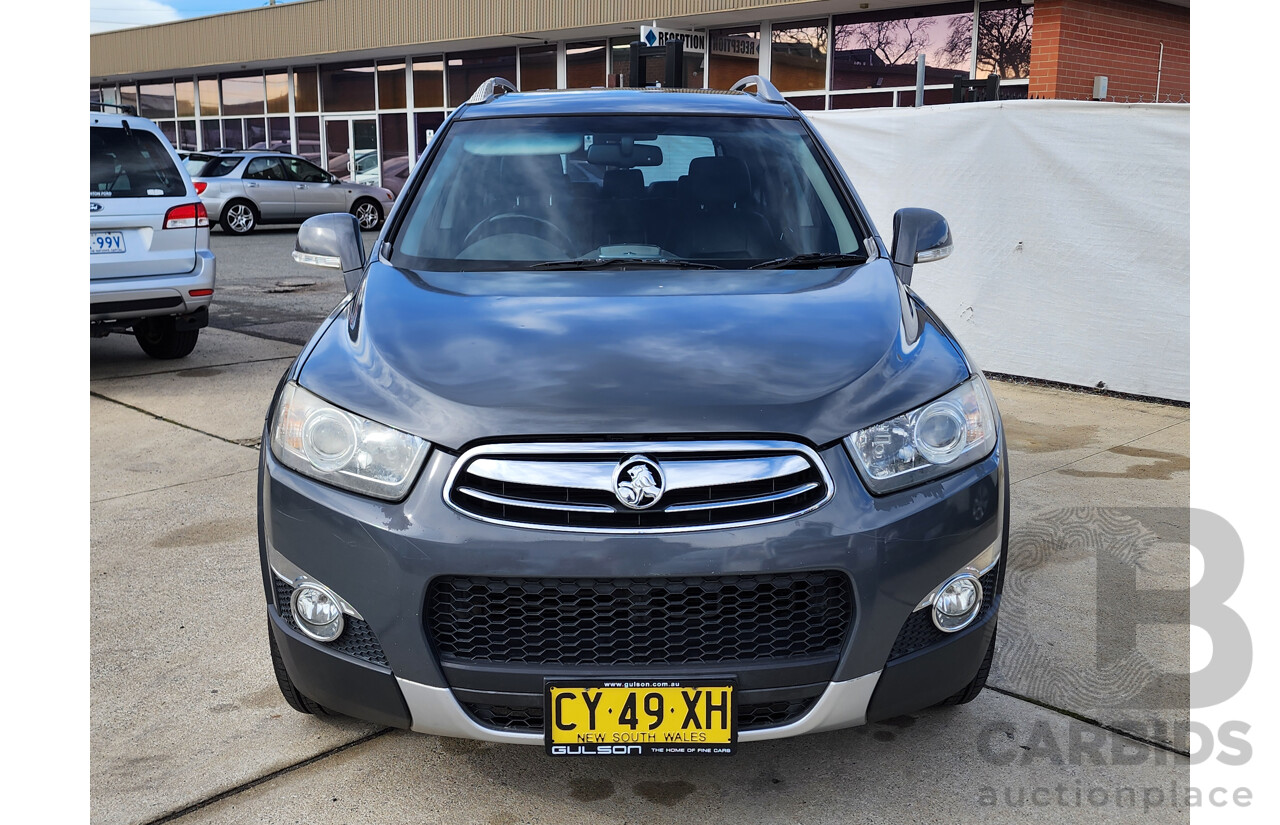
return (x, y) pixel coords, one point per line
(147, 296)
(382, 559)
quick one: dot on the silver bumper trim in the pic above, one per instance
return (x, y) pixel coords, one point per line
(435, 711)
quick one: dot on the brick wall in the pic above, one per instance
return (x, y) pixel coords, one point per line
(1073, 40)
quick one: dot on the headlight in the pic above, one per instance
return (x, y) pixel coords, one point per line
(939, 438)
(317, 439)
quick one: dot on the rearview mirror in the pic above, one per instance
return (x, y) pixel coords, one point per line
(332, 241)
(625, 153)
(919, 236)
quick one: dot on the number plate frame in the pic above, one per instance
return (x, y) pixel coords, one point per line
(114, 245)
(610, 737)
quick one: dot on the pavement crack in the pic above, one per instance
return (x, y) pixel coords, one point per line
(252, 443)
(1164, 746)
(239, 789)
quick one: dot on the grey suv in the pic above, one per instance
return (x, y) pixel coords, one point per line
(245, 189)
(631, 437)
(150, 269)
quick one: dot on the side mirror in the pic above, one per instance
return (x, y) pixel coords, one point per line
(919, 236)
(333, 241)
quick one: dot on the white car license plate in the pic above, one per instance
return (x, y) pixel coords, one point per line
(102, 242)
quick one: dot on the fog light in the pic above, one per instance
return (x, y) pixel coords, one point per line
(957, 603)
(318, 612)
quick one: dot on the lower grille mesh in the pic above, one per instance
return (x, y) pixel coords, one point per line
(639, 621)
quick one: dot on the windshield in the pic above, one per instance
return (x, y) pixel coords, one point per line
(573, 192)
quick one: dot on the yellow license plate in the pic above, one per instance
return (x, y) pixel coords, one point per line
(628, 717)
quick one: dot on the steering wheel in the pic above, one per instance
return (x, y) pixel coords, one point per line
(509, 222)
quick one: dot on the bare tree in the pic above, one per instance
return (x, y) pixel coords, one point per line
(890, 40)
(1004, 41)
(812, 37)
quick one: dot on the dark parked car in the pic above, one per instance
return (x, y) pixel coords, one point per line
(663, 457)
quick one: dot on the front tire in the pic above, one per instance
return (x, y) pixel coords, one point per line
(161, 338)
(970, 691)
(238, 218)
(368, 213)
(296, 699)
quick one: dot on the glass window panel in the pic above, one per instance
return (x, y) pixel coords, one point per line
(208, 96)
(735, 54)
(695, 70)
(875, 100)
(799, 56)
(186, 97)
(808, 103)
(129, 96)
(585, 65)
(337, 141)
(1004, 40)
(395, 151)
(255, 133)
(391, 86)
(243, 95)
(278, 134)
(187, 136)
(155, 100)
(210, 135)
(347, 88)
(170, 131)
(309, 138)
(424, 123)
(109, 95)
(468, 70)
(233, 133)
(95, 95)
(305, 96)
(537, 68)
(878, 49)
(620, 51)
(428, 82)
(278, 93)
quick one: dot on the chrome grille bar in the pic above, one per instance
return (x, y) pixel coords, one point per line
(741, 502)
(705, 485)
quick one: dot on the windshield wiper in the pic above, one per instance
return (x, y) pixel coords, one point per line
(814, 259)
(608, 263)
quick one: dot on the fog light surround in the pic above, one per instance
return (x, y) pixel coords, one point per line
(957, 603)
(317, 611)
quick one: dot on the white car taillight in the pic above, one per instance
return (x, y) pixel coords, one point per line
(186, 216)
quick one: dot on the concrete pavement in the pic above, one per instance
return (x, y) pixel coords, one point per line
(187, 723)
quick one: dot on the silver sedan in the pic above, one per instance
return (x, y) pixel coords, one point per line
(243, 189)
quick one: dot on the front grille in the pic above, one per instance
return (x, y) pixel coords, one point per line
(530, 720)
(357, 637)
(692, 620)
(919, 631)
(574, 486)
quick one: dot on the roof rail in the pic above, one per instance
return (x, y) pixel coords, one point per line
(127, 110)
(764, 89)
(491, 88)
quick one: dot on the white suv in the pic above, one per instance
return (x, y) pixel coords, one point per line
(150, 269)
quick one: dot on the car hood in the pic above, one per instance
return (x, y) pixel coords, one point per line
(456, 357)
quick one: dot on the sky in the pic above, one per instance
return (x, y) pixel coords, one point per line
(105, 15)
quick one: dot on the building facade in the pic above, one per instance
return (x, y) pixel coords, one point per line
(359, 86)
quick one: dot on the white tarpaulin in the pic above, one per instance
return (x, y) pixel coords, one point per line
(1071, 224)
